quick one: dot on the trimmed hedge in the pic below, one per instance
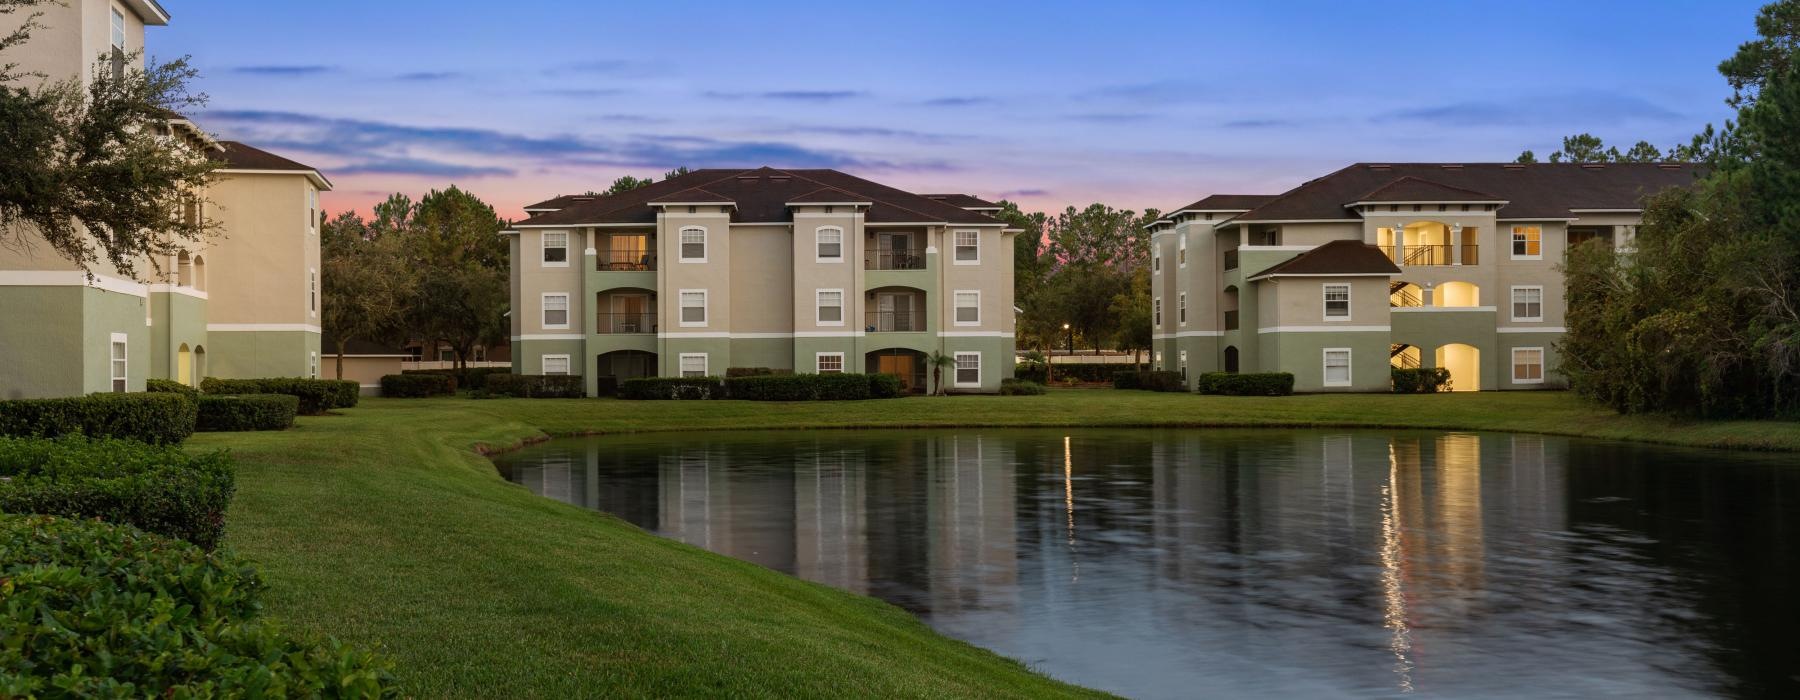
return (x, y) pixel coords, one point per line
(97, 610)
(537, 386)
(731, 372)
(316, 395)
(672, 388)
(1012, 386)
(813, 387)
(1421, 380)
(155, 418)
(1149, 380)
(159, 489)
(417, 386)
(228, 414)
(467, 377)
(1255, 384)
(170, 386)
(885, 386)
(1092, 372)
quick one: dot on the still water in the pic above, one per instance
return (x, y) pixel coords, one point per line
(1182, 563)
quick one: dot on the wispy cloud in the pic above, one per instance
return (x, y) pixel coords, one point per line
(582, 93)
(789, 95)
(1009, 194)
(1257, 123)
(420, 167)
(1591, 108)
(283, 71)
(1161, 92)
(1110, 117)
(959, 101)
(429, 76)
(867, 132)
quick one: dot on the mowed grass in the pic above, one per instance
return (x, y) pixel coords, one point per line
(384, 527)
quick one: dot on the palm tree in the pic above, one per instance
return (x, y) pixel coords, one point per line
(938, 362)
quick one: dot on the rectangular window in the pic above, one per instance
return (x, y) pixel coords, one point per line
(1337, 366)
(693, 364)
(120, 367)
(693, 307)
(312, 365)
(312, 292)
(1181, 363)
(968, 307)
(1156, 311)
(1528, 365)
(831, 244)
(1337, 302)
(118, 29)
(831, 307)
(829, 362)
(556, 311)
(556, 364)
(1527, 243)
(968, 369)
(1527, 303)
(556, 249)
(312, 210)
(968, 247)
(1181, 251)
(1181, 308)
(693, 244)
(1155, 261)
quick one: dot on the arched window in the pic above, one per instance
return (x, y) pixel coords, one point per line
(830, 242)
(184, 270)
(200, 273)
(693, 244)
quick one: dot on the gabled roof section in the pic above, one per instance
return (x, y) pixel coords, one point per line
(692, 195)
(965, 201)
(561, 201)
(1416, 189)
(1227, 203)
(1337, 258)
(761, 196)
(244, 157)
(1528, 191)
(829, 195)
(149, 12)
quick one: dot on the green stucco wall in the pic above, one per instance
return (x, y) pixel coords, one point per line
(44, 352)
(180, 319)
(1303, 354)
(256, 354)
(104, 313)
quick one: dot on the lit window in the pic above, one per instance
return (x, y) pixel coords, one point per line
(968, 307)
(118, 29)
(556, 311)
(693, 307)
(830, 362)
(968, 369)
(1528, 365)
(556, 364)
(1337, 302)
(693, 244)
(831, 243)
(693, 364)
(556, 248)
(1527, 242)
(1337, 367)
(1181, 308)
(119, 366)
(831, 307)
(1527, 303)
(968, 247)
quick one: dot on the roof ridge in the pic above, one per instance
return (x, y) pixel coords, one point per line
(1427, 181)
(1292, 192)
(872, 198)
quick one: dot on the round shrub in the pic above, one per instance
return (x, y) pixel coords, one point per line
(885, 386)
(1019, 387)
(227, 414)
(668, 388)
(155, 488)
(96, 610)
(1421, 380)
(417, 386)
(1254, 384)
(160, 418)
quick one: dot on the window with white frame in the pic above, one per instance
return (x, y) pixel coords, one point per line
(968, 369)
(556, 364)
(312, 210)
(831, 307)
(968, 247)
(1337, 366)
(1181, 308)
(829, 363)
(1181, 251)
(312, 292)
(1528, 365)
(312, 364)
(1181, 363)
(693, 307)
(830, 240)
(556, 249)
(968, 307)
(1337, 302)
(1156, 311)
(556, 311)
(1159, 358)
(120, 367)
(693, 244)
(1527, 303)
(693, 364)
(1155, 260)
(1527, 243)
(118, 29)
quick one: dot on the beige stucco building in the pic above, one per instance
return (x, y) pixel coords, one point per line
(244, 303)
(1388, 265)
(802, 270)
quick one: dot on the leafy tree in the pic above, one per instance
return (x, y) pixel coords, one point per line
(627, 183)
(85, 168)
(460, 298)
(368, 285)
(939, 361)
(1132, 308)
(1583, 148)
(1526, 157)
(1643, 152)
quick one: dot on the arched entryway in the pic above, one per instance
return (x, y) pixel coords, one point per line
(908, 365)
(199, 364)
(1231, 359)
(626, 364)
(1464, 363)
(184, 365)
(1457, 295)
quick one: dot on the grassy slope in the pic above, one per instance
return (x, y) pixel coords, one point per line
(382, 527)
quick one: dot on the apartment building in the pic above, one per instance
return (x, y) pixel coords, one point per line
(1389, 265)
(802, 270)
(244, 303)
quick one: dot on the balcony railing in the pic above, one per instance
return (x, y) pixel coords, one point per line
(625, 260)
(895, 260)
(1231, 320)
(893, 322)
(1471, 254)
(1231, 259)
(625, 323)
(1434, 254)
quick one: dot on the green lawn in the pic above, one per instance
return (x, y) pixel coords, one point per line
(383, 527)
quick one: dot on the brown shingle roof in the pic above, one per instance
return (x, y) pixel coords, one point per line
(827, 195)
(1414, 189)
(963, 200)
(241, 156)
(762, 196)
(1335, 258)
(690, 196)
(1227, 202)
(1536, 190)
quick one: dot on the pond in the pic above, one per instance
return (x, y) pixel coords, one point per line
(1183, 563)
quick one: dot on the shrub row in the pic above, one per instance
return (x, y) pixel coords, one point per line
(813, 387)
(156, 488)
(222, 414)
(316, 395)
(1421, 380)
(1013, 386)
(156, 418)
(536, 386)
(754, 372)
(1151, 380)
(1079, 371)
(466, 378)
(668, 388)
(417, 386)
(170, 386)
(98, 610)
(1256, 384)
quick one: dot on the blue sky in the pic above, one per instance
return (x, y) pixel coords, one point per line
(1137, 104)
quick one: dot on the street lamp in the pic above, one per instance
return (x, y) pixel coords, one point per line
(1071, 339)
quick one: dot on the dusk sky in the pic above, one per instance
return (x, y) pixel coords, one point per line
(1047, 103)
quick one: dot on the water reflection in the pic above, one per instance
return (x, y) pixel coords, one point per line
(1318, 564)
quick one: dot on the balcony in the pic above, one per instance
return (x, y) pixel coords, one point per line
(607, 323)
(1435, 254)
(893, 322)
(881, 259)
(625, 261)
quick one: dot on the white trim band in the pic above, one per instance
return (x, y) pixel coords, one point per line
(71, 278)
(1431, 309)
(1187, 334)
(550, 336)
(251, 327)
(1518, 329)
(1325, 329)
